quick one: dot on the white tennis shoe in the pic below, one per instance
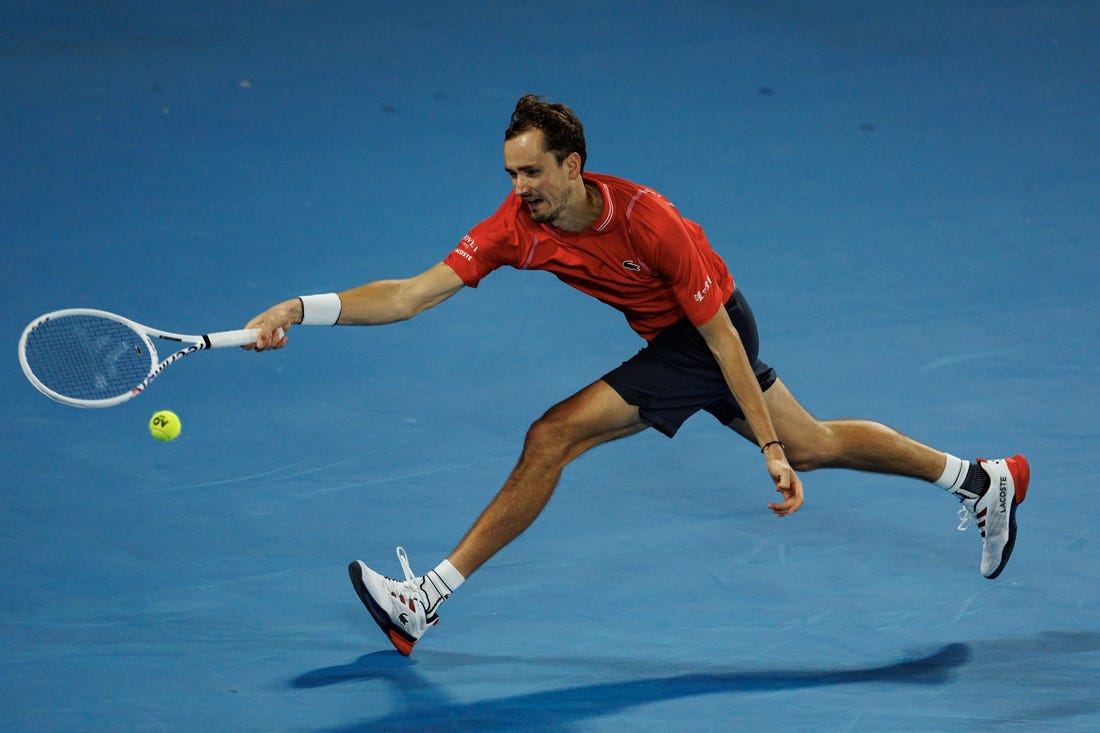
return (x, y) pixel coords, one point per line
(995, 511)
(399, 607)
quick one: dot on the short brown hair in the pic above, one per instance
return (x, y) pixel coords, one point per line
(564, 132)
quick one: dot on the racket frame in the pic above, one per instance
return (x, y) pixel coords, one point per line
(191, 344)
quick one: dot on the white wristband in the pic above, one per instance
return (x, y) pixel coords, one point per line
(320, 310)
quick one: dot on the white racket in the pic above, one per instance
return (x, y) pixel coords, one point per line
(91, 358)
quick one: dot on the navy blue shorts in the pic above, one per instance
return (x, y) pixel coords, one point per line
(676, 375)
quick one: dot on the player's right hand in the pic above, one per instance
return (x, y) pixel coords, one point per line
(274, 323)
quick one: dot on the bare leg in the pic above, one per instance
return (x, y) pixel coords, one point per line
(596, 414)
(861, 445)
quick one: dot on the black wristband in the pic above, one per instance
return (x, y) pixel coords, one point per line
(772, 442)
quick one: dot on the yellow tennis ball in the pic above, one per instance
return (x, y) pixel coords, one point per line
(165, 425)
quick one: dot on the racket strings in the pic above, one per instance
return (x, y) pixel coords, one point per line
(88, 357)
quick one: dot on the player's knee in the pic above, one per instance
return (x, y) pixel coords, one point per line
(803, 461)
(549, 436)
(814, 449)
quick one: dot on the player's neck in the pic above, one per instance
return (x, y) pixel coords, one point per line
(585, 213)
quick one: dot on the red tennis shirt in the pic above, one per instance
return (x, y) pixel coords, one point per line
(641, 257)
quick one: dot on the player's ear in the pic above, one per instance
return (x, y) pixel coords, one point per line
(573, 165)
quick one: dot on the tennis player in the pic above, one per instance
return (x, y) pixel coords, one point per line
(629, 247)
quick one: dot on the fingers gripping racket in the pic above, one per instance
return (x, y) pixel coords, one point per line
(92, 358)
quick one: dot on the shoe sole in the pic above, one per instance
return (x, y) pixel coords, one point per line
(401, 641)
(1021, 476)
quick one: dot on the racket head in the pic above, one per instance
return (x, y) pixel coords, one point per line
(86, 358)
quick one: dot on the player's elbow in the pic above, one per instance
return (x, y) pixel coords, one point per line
(401, 309)
(414, 296)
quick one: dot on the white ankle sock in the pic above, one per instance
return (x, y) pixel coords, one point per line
(954, 474)
(441, 582)
(449, 575)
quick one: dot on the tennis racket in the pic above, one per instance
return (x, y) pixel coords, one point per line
(92, 358)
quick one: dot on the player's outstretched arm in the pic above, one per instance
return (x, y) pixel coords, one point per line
(725, 344)
(372, 304)
(389, 301)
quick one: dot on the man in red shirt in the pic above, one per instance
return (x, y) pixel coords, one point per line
(629, 247)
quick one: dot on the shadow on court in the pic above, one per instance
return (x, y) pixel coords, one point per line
(431, 707)
(1046, 659)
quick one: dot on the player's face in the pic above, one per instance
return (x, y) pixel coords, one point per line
(538, 178)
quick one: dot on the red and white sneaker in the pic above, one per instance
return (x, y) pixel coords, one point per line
(400, 608)
(995, 510)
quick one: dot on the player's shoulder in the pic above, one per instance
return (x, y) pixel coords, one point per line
(506, 219)
(630, 191)
(502, 234)
(637, 204)
(616, 184)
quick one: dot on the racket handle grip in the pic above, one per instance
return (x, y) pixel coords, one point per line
(222, 339)
(244, 337)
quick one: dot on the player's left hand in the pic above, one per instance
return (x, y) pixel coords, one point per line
(787, 484)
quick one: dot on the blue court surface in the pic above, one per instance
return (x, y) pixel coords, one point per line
(908, 193)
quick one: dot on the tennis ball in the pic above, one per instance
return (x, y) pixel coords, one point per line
(165, 425)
